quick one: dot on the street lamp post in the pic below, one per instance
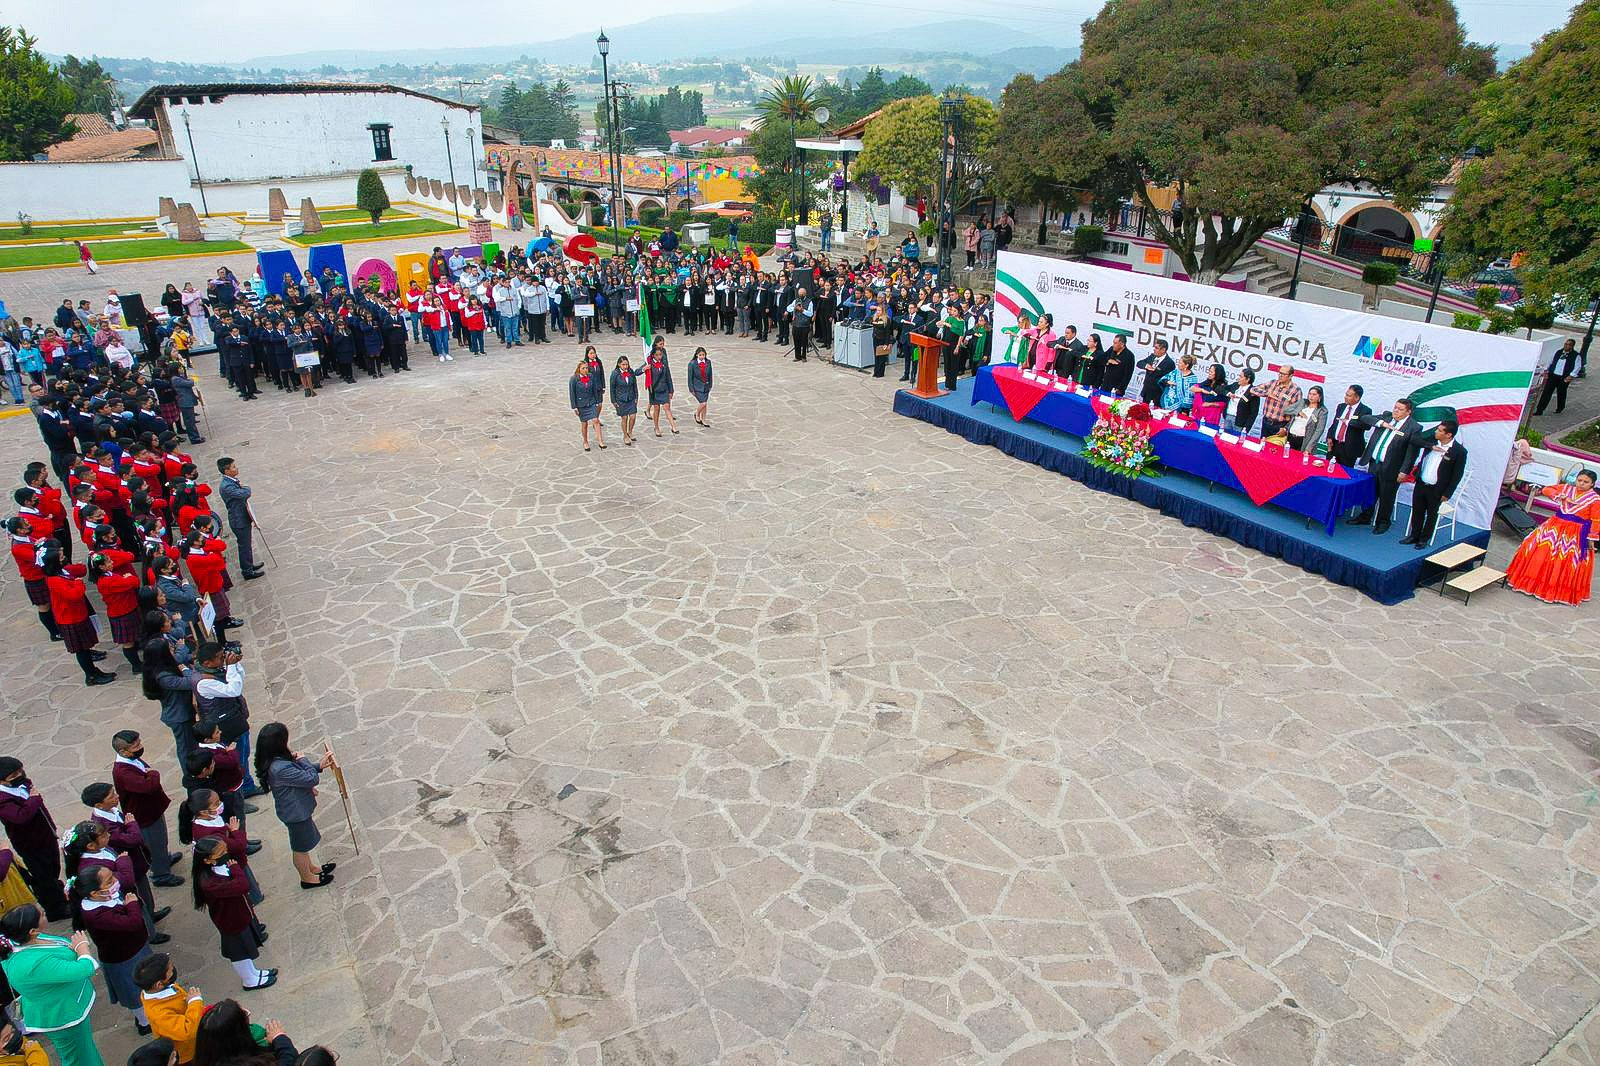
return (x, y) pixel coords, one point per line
(1300, 244)
(477, 212)
(455, 200)
(950, 121)
(603, 43)
(189, 132)
(1436, 267)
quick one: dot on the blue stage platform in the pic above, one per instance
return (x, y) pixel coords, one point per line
(1381, 567)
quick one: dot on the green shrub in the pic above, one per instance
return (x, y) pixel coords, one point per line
(679, 218)
(925, 230)
(1501, 322)
(651, 215)
(1487, 297)
(1086, 239)
(1467, 320)
(1534, 314)
(371, 196)
(1533, 437)
(1380, 273)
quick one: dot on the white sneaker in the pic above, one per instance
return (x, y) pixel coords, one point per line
(441, 359)
(449, 358)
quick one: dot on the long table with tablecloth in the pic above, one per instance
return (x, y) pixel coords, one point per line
(1266, 476)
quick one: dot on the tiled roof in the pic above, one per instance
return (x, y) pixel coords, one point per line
(145, 106)
(91, 125)
(120, 144)
(708, 134)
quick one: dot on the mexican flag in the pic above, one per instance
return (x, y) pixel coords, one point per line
(646, 334)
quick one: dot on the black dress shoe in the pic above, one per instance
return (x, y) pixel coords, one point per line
(325, 879)
(329, 867)
(161, 938)
(175, 857)
(231, 622)
(1358, 520)
(102, 678)
(1408, 539)
(169, 881)
(98, 656)
(157, 915)
(1380, 529)
(254, 790)
(268, 979)
(1423, 545)
(251, 575)
(252, 847)
(251, 808)
(144, 1030)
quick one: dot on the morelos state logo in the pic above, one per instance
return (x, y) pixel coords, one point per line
(1043, 284)
(1412, 359)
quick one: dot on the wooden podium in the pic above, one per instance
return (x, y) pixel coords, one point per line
(928, 349)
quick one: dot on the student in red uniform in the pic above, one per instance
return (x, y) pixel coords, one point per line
(222, 889)
(119, 590)
(208, 567)
(69, 603)
(474, 319)
(25, 550)
(50, 504)
(139, 786)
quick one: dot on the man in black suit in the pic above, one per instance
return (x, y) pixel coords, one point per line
(1563, 368)
(1438, 472)
(1069, 350)
(1347, 434)
(1119, 366)
(1391, 451)
(1157, 366)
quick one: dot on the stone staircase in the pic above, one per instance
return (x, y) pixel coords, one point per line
(1264, 275)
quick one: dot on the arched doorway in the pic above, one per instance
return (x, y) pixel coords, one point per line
(1376, 231)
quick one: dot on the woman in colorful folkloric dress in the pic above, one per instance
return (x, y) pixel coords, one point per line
(1556, 561)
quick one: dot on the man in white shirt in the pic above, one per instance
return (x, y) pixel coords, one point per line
(1438, 473)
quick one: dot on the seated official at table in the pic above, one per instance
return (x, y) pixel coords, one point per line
(1347, 433)
(1308, 419)
(1156, 368)
(1069, 353)
(1437, 472)
(1177, 387)
(1211, 396)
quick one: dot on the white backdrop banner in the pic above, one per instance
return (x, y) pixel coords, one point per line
(1480, 380)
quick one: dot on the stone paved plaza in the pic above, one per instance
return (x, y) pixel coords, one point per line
(823, 737)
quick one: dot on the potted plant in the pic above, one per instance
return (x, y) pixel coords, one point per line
(1377, 274)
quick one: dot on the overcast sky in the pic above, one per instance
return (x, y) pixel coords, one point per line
(170, 29)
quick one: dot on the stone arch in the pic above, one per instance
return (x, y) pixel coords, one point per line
(641, 202)
(685, 204)
(1386, 209)
(589, 196)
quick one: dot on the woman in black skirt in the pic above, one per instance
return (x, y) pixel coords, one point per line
(624, 397)
(292, 780)
(700, 384)
(221, 889)
(584, 390)
(658, 376)
(69, 603)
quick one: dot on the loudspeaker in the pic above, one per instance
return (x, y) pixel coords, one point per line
(133, 309)
(805, 278)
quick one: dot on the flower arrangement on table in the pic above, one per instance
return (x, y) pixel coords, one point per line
(1120, 441)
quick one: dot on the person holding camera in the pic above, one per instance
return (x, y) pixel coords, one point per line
(219, 696)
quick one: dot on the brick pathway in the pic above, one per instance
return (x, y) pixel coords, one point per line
(822, 736)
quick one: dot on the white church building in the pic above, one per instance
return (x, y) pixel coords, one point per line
(222, 146)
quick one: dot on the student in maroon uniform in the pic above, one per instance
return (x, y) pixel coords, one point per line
(139, 785)
(207, 820)
(32, 833)
(105, 811)
(221, 888)
(115, 922)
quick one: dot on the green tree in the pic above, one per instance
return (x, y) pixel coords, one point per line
(1246, 107)
(93, 87)
(34, 98)
(784, 107)
(1041, 153)
(906, 86)
(1534, 189)
(871, 93)
(903, 145)
(371, 196)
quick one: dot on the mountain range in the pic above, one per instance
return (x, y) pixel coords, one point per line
(868, 35)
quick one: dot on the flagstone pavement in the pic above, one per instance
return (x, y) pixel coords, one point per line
(821, 736)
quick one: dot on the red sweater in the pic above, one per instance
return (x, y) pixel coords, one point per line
(22, 551)
(205, 567)
(121, 593)
(69, 600)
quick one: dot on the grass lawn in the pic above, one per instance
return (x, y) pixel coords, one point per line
(45, 233)
(355, 214)
(115, 251)
(400, 227)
